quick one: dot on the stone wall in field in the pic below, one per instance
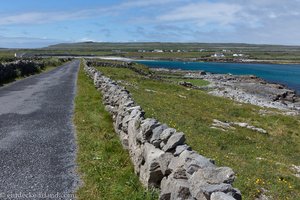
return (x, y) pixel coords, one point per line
(12, 70)
(159, 154)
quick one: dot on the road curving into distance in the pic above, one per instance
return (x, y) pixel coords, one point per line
(37, 138)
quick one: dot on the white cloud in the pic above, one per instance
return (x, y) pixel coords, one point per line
(263, 21)
(204, 13)
(45, 17)
(87, 39)
(26, 42)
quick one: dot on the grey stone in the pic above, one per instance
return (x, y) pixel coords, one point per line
(162, 144)
(134, 112)
(166, 134)
(180, 173)
(209, 180)
(200, 190)
(215, 175)
(147, 127)
(127, 104)
(181, 191)
(155, 139)
(150, 173)
(209, 189)
(124, 140)
(193, 161)
(135, 149)
(221, 196)
(109, 108)
(164, 161)
(174, 189)
(175, 140)
(175, 163)
(165, 193)
(181, 148)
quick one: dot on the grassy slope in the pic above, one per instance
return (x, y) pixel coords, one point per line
(262, 162)
(104, 166)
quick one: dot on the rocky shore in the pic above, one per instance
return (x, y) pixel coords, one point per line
(245, 89)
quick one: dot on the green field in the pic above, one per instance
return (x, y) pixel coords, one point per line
(188, 51)
(198, 51)
(263, 162)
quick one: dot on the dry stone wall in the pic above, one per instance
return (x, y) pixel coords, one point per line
(159, 154)
(12, 70)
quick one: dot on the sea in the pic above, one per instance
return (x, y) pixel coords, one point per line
(286, 74)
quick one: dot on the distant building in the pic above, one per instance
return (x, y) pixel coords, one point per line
(141, 51)
(218, 55)
(237, 55)
(178, 51)
(226, 50)
(158, 51)
(19, 55)
(117, 51)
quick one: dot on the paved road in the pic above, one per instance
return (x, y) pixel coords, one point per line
(37, 142)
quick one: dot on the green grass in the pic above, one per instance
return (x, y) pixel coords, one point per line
(261, 161)
(105, 168)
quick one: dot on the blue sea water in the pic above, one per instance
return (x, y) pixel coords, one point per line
(289, 75)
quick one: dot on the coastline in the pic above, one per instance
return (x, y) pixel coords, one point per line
(241, 61)
(241, 88)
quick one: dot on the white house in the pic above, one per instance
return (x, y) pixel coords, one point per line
(237, 55)
(226, 50)
(218, 55)
(158, 51)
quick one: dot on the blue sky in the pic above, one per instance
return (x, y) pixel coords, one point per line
(38, 23)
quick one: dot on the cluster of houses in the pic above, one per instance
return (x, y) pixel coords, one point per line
(161, 51)
(221, 55)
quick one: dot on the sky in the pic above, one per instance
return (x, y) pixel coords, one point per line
(39, 23)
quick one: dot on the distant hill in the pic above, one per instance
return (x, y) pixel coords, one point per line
(130, 46)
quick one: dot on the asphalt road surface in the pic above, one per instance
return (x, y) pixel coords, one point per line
(37, 140)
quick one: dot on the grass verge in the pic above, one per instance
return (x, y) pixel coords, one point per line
(105, 168)
(263, 162)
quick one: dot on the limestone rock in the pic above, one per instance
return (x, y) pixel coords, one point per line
(147, 127)
(221, 196)
(166, 134)
(164, 161)
(150, 173)
(181, 148)
(174, 189)
(175, 140)
(155, 139)
(124, 140)
(214, 175)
